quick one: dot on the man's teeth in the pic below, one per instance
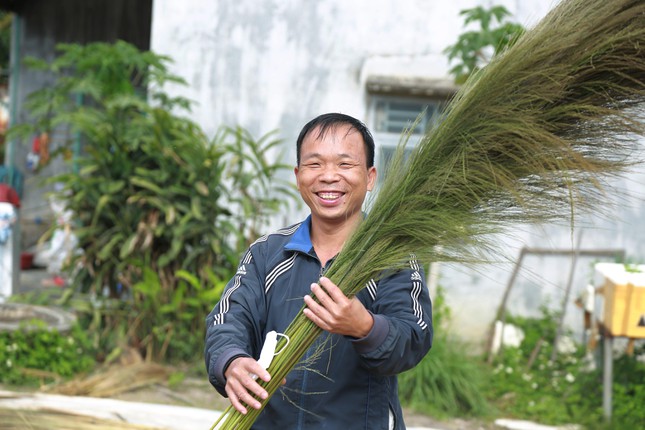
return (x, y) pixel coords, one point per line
(329, 196)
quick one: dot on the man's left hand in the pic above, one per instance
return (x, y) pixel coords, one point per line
(336, 313)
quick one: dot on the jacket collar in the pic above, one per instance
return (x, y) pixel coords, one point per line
(301, 239)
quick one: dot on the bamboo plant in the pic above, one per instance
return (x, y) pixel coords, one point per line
(531, 138)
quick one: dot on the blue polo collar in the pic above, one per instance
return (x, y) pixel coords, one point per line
(301, 239)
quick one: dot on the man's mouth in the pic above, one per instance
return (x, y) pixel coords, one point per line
(328, 195)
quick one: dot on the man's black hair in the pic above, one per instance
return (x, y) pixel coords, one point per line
(328, 121)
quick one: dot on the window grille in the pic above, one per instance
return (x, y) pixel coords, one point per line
(396, 115)
(392, 116)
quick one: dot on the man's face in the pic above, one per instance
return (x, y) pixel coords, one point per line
(333, 177)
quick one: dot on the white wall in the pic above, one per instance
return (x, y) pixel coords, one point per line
(275, 64)
(278, 63)
(474, 294)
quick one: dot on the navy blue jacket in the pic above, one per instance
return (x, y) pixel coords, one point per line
(352, 384)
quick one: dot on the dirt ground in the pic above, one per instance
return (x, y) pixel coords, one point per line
(198, 393)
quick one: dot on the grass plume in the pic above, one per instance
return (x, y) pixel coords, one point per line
(531, 138)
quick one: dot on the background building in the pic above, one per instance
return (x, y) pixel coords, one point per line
(275, 64)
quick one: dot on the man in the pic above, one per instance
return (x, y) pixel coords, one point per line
(347, 379)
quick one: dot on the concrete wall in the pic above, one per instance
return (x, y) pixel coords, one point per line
(278, 63)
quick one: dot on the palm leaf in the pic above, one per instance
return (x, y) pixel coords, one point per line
(530, 138)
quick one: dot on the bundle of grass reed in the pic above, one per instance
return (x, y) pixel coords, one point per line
(114, 380)
(14, 419)
(531, 138)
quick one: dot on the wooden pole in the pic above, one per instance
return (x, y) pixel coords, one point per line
(565, 301)
(501, 310)
(607, 374)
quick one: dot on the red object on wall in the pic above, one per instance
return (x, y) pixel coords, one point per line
(35, 145)
(26, 260)
(9, 195)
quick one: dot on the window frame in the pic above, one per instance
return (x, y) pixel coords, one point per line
(388, 140)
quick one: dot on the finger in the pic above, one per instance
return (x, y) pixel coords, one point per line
(246, 397)
(254, 370)
(235, 401)
(249, 384)
(313, 305)
(316, 319)
(322, 296)
(332, 290)
(316, 312)
(241, 386)
(244, 370)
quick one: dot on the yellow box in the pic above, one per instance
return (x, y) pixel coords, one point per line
(624, 300)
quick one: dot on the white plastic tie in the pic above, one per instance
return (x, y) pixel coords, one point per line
(269, 349)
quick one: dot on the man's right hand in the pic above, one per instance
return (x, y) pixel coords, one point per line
(240, 385)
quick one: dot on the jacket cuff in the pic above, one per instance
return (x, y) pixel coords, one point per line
(222, 362)
(374, 338)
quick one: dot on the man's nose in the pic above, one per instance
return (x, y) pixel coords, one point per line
(329, 173)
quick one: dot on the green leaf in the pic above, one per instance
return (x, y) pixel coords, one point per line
(89, 170)
(128, 246)
(143, 183)
(189, 277)
(106, 251)
(166, 258)
(150, 286)
(196, 208)
(201, 188)
(103, 200)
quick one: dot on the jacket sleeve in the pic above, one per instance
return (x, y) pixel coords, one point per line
(402, 332)
(233, 327)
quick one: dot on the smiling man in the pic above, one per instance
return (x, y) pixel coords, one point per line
(347, 379)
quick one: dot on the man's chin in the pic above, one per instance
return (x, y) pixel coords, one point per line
(331, 217)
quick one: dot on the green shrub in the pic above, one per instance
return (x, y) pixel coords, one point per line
(629, 391)
(154, 200)
(526, 384)
(39, 354)
(146, 190)
(448, 381)
(628, 394)
(475, 48)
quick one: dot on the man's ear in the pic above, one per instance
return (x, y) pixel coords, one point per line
(295, 172)
(371, 178)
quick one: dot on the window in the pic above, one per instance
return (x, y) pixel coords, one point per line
(391, 116)
(394, 115)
